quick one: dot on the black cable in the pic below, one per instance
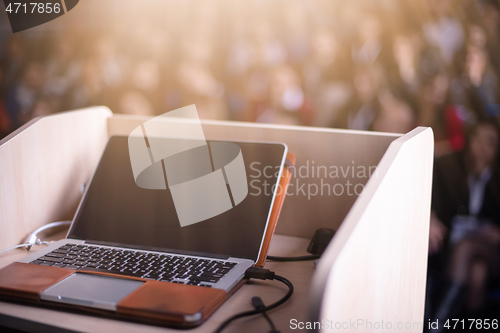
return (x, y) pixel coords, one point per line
(273, 328)
(263, 274)
(259, 304)
(300, 258)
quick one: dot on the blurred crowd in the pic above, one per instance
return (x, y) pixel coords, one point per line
(386, 65)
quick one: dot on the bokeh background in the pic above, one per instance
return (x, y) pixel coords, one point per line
(385, 65)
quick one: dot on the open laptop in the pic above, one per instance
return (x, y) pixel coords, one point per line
(135, 234)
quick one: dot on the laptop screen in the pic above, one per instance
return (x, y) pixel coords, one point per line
(116, 211)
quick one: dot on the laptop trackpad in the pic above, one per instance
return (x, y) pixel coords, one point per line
(91, 290)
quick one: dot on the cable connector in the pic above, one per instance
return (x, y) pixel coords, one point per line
(259, 273)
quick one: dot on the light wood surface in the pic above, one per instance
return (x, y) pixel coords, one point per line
(42, 168)
(375, 268)
(300, 273)
(334, 149)
(376, 264)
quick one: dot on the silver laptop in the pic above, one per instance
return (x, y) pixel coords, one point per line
(129, 230)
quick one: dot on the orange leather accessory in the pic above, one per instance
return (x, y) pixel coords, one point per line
(276, 210)
(155, 302)
(172, 302)
(27, 281)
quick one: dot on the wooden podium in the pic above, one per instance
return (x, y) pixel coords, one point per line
(373, 188)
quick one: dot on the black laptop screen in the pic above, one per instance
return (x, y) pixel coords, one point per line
(116, 211)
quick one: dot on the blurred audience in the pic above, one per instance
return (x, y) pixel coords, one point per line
(387, 66)
(465, 223)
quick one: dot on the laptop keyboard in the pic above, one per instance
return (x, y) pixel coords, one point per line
(155, 266)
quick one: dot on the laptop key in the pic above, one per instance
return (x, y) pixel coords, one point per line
(92, 269)
(59, 265)
(55, 255)
(204, 279)
(45, 258)
(207, 274)
(46, 263)
(135, 274)
(36, 262)
(163, 279)
(154, 275)
(72, 267)
(142, 271)
(130, 272)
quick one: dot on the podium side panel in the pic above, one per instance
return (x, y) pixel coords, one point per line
(374, 270)
(43, 166)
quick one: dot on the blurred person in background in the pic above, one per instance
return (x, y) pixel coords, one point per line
(111, 65)
(363, 105)
(406, 57)
(267, 72)
(465, 223)
(395, 114)
(481, 82)
(135, 103)
(439, 112)
(490, 15)
(13, 62)
(443, 30)
(90, 86)
(11, 70)
(325, 74)
(287, 101)
(240, 58)
(368, 44)
(62, 70)
(197, 79)
(142, 94)
(5, 123)
(297, 32)
(22, 97)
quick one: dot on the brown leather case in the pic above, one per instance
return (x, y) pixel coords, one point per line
(155, 302)
(28, 281)
(286, 175)
(163, 303)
